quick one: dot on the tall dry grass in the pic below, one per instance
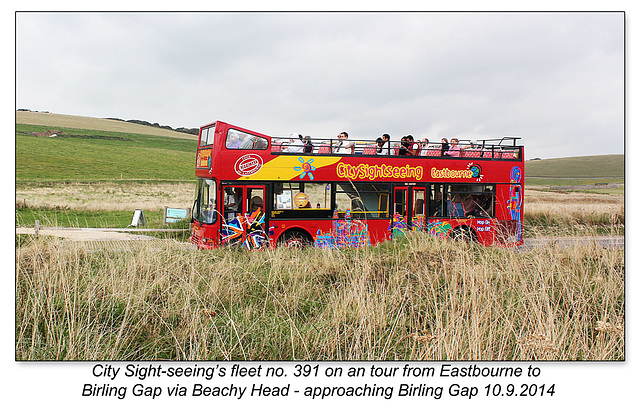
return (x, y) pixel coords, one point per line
(563, 213)
(416, 299)
(106, 196)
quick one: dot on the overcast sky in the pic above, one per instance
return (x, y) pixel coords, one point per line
(554, 79)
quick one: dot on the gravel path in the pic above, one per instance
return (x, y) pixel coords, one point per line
(83, 234)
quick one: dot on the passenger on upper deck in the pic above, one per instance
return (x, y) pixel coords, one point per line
(247, 142)
(260, 144)
(379, 146)
(308, 146)
(404, 146)
(233, 141)
(295, 144)
(414, 147)
(425, 145)
(387, 144)
(444, 146)
(455, 149)
(344, 146)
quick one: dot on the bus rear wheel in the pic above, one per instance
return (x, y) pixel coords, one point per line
(463, 234)
(296, 239)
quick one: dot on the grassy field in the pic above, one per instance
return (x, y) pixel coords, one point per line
(584, 167)
(540, 182)
(89, 154)
(416, 299)
(566, 213)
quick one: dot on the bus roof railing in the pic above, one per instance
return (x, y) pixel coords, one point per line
(484, 148)
(500, 140)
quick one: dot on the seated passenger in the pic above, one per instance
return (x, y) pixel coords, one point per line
(256, 203)
(379, 146)
(233, 141)
(308, 146)
(260, 144)
(231, 203)
(247, 143)
(382, 147)
(295, 144)
(471, 205)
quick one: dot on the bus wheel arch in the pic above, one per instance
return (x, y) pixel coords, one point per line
(295, 238)
(463, 233)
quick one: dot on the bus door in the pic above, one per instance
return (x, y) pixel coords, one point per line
(400, 218)
(243, 211)
(418, 216)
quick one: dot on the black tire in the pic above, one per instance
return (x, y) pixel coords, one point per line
(296, 239)
(463, 234)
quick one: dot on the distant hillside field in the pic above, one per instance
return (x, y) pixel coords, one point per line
(85, 154)
(605, 166)
(60, 121)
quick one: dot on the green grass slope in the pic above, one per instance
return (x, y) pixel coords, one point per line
(604, 166)
(96, 154)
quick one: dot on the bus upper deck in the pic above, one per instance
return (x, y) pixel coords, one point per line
(484, 148)
(225, 148)
(234, 138)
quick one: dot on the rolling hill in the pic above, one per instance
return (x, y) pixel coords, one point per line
(85, 122)
(602, 166)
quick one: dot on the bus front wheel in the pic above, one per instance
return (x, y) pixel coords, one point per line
(296, 239)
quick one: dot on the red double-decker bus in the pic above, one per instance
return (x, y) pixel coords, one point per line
(257, 190)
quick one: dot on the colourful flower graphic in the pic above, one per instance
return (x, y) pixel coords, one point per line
(476, 171)
(514, 203)
(439, 229)
(306, 168)
(344, 233)
(516, 174)
(398, 225)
